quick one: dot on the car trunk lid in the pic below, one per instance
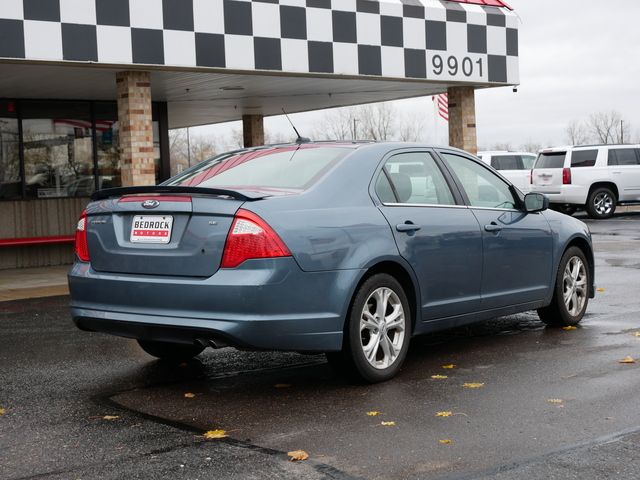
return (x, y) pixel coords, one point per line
(548, 169)
(176, 232)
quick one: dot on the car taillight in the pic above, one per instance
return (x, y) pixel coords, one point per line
(251, 237)
(81, 247)
(531, 177)
(566, 176)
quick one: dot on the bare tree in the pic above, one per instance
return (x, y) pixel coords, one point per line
(411, 129)
(501, 147)
(577, 133)
(185, 153)
(606, 126)
(340, 124)
(379, 121)
(531, 147)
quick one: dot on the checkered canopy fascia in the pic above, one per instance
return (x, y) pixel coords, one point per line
(421, 39)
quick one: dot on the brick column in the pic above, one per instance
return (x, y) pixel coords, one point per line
(462, 119)
(136, 128)
(253, 130)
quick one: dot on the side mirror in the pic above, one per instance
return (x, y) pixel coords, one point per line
(535, 202)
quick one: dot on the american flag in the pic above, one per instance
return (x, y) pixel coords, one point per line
(442, 104)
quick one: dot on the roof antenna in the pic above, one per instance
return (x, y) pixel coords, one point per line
(299, 139)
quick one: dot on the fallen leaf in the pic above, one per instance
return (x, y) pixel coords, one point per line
(600, 290)
(111, 417)
(189, 395)
(2, 411)
(569, 327)
(627, 360)
(213, 434)
(444, 414)
(374, 414)
(388, 424)
(298, 455)
(282, 385)
(473, 385)
(554, 400)
(446, 441)
(439, 377)
(449, 366)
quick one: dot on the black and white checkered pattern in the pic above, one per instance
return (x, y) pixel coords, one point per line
(388, 38)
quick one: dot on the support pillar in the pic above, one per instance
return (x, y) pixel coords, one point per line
(253, 130)
(136, 128)
(462, 119)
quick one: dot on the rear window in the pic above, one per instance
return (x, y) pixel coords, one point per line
(295, 168)
(528, 161)
(624, 156)
(584, 158)
(551, 160)
(506, 162)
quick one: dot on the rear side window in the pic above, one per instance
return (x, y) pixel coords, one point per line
(293, 167)
(551, 160)
(584, 158)
(624, 156)
(506, 162)
(415, 179)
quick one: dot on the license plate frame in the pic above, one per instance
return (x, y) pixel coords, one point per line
(151, 229)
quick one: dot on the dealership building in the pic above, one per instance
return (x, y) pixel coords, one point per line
(90, 88)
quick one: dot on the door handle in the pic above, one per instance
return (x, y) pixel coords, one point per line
(407, 227)
(492, 227)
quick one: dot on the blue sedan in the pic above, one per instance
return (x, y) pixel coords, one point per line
(343, 248)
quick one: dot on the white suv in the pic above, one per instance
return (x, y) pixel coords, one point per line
(596, 178)
(514, 166)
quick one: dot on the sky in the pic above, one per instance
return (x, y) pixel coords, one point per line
(577, 57)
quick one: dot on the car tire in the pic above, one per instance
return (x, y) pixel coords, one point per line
(374, 351)
(601, 203)
(171, 351)
(571, 291)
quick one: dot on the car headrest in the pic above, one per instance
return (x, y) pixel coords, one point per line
(402, 182)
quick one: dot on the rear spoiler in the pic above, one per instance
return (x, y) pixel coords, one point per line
(120, 191)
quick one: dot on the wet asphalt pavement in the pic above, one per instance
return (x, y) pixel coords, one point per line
(57, 384)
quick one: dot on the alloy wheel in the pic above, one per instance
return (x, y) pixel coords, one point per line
(382, 328)
(574, 286)
(603, 203)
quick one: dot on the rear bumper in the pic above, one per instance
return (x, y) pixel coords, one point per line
(572, 194)
(264, 304)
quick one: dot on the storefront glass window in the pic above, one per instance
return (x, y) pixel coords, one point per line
(108, 140)
(58, 149)
(10, 181)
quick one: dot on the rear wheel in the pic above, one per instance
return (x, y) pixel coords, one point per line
(170, 351)
(601, 203)
(571, 291)
(377, 332)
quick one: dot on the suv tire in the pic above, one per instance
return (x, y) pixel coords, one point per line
(601, 203)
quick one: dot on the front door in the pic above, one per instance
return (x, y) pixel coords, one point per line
(517, 246)
(438, 236)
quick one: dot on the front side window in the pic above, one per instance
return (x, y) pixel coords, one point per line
(624, 156)
(295, 168)
(414, 179)
(584, 158)
(551, 160)
(506, 162)
(483, 187)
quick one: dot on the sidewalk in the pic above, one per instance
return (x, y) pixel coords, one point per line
(21, 283)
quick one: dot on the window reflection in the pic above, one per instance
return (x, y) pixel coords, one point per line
(10, 181)
(58, 149)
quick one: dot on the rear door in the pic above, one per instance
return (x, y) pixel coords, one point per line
(547, 171)
(178, 235)
(517, 246)
(625, 171)
(437, 235)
